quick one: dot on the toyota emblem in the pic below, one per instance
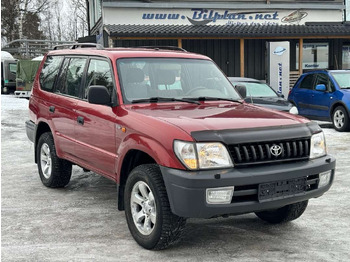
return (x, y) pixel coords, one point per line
(276, 150)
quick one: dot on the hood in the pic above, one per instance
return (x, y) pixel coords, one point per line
(215, 115)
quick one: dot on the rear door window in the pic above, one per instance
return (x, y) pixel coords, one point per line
(71, 76)
(49, 72)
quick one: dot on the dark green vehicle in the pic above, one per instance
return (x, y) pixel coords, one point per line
(26, 70)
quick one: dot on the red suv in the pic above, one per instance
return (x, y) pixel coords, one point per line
(168, 127)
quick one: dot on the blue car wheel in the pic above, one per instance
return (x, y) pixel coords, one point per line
(340, 119)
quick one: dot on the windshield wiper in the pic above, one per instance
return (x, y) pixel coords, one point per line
(209, 98)
(157, 99)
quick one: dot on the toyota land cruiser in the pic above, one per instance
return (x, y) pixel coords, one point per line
(168, 127)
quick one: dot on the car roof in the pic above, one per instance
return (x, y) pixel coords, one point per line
(243, 79)
(115, 53)
(339, 71)
(315, 71)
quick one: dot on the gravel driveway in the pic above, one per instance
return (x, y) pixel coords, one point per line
(81, 223)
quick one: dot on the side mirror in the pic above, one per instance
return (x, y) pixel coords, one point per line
(99, 95)
(242, 90)
(281, 95)
(321, 87)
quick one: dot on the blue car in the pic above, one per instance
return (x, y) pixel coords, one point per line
(324, 95)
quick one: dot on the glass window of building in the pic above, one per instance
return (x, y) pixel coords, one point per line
(92, 12)
(315, 56)
(346, 57)
(98, 9)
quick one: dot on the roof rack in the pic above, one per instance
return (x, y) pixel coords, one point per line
(173, 48)
(78, 45)
(315, 69)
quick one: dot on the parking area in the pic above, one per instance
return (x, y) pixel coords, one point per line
(81, 222)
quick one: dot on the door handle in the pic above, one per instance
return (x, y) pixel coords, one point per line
(52, 109)
(80, 120)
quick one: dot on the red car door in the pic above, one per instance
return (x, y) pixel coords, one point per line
(95, 127)
(65, 99)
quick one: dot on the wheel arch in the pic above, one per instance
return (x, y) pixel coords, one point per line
(132, 159)
(335, 105)
(42, 128)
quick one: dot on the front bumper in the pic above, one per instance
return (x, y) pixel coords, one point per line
(187, 189)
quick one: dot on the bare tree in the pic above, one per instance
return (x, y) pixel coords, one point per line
(45, 19)
(79, 10)
(19, 17)
(29, 7)
(9, 16)
(58, 12)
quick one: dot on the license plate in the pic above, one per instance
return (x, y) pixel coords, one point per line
(281, 189)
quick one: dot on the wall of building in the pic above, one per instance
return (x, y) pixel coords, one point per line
(226, 52)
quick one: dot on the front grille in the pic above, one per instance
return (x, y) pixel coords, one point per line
(260, 153)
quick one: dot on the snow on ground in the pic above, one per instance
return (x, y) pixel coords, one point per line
(81, 223)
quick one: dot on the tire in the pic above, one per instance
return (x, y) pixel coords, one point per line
(146, 203)
(53, 171)
(340, 119)
(283, 214)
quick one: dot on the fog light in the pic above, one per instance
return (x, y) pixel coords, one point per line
(220, 195)
(325, 177)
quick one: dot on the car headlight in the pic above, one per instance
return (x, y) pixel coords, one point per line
(294, 110)
(318, 146)
(202, 155)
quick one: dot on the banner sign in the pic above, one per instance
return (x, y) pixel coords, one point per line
(200, 16)
(278, 70)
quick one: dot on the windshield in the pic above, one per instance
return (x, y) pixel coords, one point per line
(257, 89)
(343, 79)
(150, 78)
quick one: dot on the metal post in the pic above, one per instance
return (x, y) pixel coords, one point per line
(27, 48)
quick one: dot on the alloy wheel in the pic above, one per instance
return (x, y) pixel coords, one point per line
(143, 208)
(339, 119)
(45, 160)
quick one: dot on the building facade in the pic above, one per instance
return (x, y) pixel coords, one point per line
(237, 35)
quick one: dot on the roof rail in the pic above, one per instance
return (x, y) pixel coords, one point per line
(78, 45)
(314, 69)
(174, 48)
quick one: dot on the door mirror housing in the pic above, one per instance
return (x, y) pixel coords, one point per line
(242, 90)
(99, 95)
(321, 87)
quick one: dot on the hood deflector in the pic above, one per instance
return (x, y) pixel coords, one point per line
(251, 135)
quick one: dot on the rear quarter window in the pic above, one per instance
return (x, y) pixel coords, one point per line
(49, 72)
